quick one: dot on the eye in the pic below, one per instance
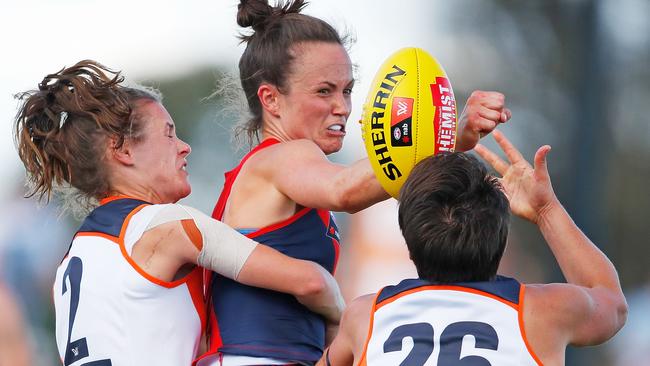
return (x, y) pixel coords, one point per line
(347, 91)
(323, 91)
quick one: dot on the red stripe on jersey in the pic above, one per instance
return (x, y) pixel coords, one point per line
(220, 207)
(195, 286)
(279, 225)
(326, 216)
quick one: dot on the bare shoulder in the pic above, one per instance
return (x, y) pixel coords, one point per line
(548, 298)
(279, 160)
(570, 314)
(356, 320)
(548, 313)
(552, 305)
(292, 150)
(360, 307)
(163, 249)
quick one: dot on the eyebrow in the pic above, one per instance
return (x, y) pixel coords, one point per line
(333, 85)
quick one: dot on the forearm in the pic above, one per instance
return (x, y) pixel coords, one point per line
(466, 139)
(357, 187)
(581, 262)
(310, 283)
(601, 306)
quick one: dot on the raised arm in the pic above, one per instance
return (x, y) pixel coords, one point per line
(592, 308)
(301, 171)
(483, 111)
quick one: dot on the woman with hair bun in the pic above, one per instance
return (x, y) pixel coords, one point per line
(129, 291)
(297, 78)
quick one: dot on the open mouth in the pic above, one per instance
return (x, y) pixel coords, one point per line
(337, 128)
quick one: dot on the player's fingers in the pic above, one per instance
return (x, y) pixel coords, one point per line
(484, 126)
(508, 148)
(490, 99)
(493, 159)
(541, 167)
(506, 114)
(491, 114)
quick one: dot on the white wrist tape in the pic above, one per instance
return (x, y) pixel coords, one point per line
(224, 250)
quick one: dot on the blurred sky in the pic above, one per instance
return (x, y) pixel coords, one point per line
(155, 39)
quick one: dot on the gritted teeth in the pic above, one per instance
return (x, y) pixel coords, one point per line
(336, 127)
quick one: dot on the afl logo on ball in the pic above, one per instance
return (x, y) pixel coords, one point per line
(401, 117)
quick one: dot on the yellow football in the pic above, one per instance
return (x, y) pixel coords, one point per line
(409, 114)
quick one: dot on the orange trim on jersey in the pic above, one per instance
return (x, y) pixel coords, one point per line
(450, 288)
(280, 224)
(193, 233)
(522, 291)
(135, 266)
(195, 287)
(112, 238)
(108, 199)
(362, 360)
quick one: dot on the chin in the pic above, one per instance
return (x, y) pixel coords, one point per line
(186, 193)
(183, 193)
(332, 147)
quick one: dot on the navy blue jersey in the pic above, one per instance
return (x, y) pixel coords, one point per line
(262, 323)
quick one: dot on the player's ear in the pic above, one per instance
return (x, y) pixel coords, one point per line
(268, 95)
(123, 154)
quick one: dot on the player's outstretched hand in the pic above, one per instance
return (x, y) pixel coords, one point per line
(528, 189)
(483, 111)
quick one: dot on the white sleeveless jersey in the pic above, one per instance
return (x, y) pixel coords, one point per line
(470, 324)
(109, 311)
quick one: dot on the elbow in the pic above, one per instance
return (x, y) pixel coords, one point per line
(352, 201)
(343, 201)
(617, 318)
(621, 311)
(312, 284)
(354, 197)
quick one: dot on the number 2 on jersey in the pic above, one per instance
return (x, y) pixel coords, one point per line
(451, 341)
(78, 349)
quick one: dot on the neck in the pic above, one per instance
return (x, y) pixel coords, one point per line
(272, 128)
(134, 190)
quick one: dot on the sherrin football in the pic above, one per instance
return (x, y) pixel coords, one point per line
(409, 114)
